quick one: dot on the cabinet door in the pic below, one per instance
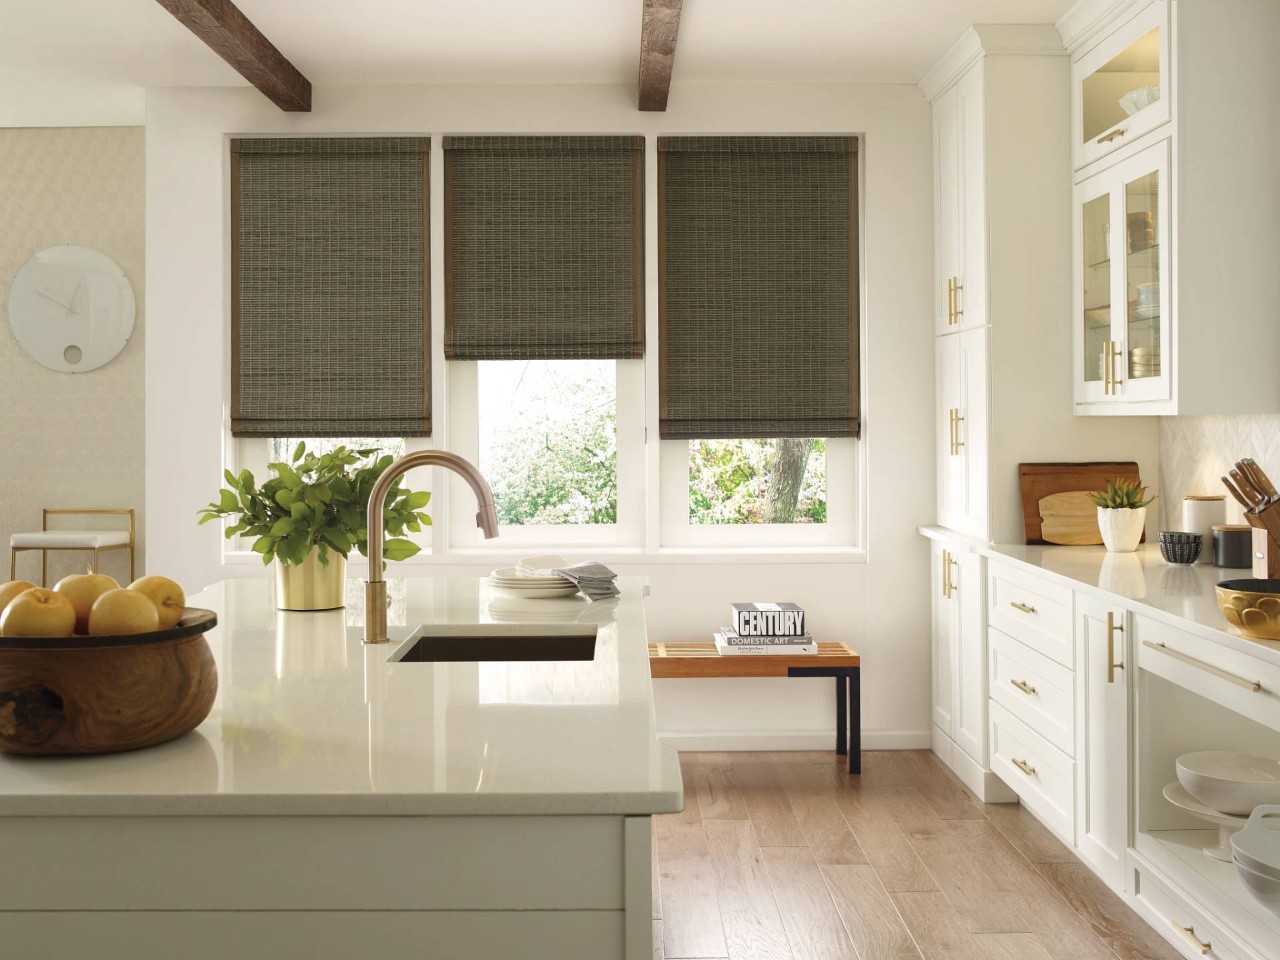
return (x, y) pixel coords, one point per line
(946, 193)
(972, 431)
(971, 296)
(1122, 303)
(970, 710)
(1120, 88)
(946, 631)
(949, 386)
(1102, 737)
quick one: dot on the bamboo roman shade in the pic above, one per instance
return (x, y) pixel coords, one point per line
(544, 247)
(758, 282)
(329, 285)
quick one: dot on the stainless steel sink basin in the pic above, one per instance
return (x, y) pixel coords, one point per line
(464, 643)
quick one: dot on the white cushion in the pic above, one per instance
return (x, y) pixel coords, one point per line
(71, 539)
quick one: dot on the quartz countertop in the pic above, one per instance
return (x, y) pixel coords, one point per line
(311, 721)
(1182, 596)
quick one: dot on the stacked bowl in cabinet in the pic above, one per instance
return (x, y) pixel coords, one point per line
(1240, 794)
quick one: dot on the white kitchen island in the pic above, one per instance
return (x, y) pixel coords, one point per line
(338, 802)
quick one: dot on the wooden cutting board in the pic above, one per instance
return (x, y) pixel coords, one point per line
(1041, 480)
(1070, 518)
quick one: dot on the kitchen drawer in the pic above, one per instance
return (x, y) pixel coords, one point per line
(1040, 774)
(1035, 689)
(1238, 681)
(1186, 926)
(1033, 610)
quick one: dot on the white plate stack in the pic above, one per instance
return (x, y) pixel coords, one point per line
(512, 582)
(1256, 852)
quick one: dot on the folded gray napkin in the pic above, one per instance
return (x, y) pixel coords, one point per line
(594, 579)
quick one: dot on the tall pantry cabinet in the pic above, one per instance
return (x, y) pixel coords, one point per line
(1003, 377)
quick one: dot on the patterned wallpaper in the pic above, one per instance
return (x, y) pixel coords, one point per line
(1196, 451)
(70, 439)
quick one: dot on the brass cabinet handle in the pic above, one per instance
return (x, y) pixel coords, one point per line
(1112, 666)
(953, 415)
(1021, 606)
(959, 442)
(946, 575)
(1023, 686)
(1115, 382)
(956, 287)
(951, 431)
(1113, 135)
(1025, 767)
(1189, 934)
(1254, 686)
(1108, 367)
(951, 300)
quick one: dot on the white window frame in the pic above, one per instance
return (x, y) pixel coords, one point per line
(839, 530)
(464, 432)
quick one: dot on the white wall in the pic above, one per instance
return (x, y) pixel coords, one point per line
(880, 606)
(70, 440)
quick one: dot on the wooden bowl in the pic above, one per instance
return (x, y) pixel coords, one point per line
(1253, 606)
(73, 695)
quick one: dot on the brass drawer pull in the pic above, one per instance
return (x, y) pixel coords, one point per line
(1254, 686)
(1022, 607)
(956, 287)
(1189, 934)
(1025, 767)
(1113, 135)
(1024, 686)
(1112, 666)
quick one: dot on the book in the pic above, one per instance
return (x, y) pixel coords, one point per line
(726, 649)
(732, 638)
(766, 619)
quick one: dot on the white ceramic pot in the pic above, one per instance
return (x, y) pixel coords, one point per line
(1121, 529)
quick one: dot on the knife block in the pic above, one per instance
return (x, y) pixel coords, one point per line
(1266, 555)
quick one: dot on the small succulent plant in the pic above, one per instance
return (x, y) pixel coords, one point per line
(1121, 495)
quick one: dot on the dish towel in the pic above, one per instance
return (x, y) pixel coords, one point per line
(594, 579)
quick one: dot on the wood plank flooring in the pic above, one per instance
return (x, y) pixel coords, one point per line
(784, 856)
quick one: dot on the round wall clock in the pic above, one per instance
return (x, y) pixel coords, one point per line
(71, 308)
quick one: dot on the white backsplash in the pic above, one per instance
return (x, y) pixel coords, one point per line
(1196, 451)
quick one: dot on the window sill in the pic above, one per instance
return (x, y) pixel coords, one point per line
(669, 555)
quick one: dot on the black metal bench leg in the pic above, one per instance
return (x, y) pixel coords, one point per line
(855, 721)
(842, 716)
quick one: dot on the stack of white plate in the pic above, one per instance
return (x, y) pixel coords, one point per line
(513, 583)
(1256, 853)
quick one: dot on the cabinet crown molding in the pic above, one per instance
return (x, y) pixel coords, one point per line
(990, 40)
(1089, 21)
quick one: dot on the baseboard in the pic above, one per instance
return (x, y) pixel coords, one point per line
(794, 740)
(988, 787)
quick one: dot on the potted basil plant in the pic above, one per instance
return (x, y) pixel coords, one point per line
(1122, 514)
(311, 514)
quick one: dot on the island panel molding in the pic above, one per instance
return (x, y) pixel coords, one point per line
(233, 37)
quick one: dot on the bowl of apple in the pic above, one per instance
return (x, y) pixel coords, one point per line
(91, 667)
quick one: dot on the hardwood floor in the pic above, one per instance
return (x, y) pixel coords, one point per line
(784, 856)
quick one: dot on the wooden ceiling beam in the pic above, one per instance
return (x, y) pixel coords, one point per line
(232, 36)
(658, 32)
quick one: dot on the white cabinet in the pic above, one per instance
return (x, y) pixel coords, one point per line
(960, 222)
(946, 639)
(1103, 732)
(1123, 308)
(962, 422)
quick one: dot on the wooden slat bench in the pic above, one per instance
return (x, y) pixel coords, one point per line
(676, 661)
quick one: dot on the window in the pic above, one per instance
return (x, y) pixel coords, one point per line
(757, 481)
(549, 440)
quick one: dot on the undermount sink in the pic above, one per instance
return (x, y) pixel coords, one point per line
(464, 643)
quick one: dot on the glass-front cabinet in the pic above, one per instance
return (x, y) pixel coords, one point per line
(1122, 303)
(1122, 86)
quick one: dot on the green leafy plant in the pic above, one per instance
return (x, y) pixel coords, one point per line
(1121, 495)
(318, 501)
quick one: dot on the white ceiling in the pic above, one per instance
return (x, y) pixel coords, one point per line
(112, 47)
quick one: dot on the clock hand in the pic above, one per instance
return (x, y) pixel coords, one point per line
(64, 306)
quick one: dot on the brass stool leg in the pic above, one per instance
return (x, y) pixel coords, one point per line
(132, 575)
(13, 564)
(44, 568)
(95, 559)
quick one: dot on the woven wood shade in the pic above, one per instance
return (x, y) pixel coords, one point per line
(758, 305)
(330, 318)
(544, 247)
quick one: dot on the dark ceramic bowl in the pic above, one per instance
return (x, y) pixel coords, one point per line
(1178, 547)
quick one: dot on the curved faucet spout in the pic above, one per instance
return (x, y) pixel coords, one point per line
(375, 590)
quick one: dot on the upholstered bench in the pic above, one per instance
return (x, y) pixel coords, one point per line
(93, 541)
(670, 661)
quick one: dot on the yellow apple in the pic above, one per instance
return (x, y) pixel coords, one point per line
(82, 589)
(38, 613)
(168, 597)
(118, 612)
(11, 589)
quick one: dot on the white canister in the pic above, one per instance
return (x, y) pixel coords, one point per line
(1200, 513)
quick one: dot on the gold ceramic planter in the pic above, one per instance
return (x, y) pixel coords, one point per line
(310, 585)
(1252, 606)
